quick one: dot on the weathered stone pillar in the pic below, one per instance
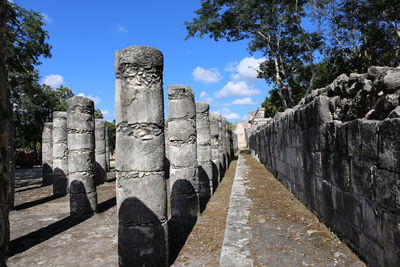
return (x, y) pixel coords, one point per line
(225, 142)
(184, 181)
(100, 151)
(81, 159)
(141, 185)
(4, 141)
(221, 147)
(204, 153)
(166, 162)
(214, 129)
(107, 149)
(47, 153)
(60, 153)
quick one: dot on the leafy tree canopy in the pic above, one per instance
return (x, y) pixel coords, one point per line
(348, 36)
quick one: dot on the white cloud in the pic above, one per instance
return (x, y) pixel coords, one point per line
(228, 114)
(243, 101)
(95, 99)
(204, 98)
(245, 117)
(231, 66)
(203, 94)
(206, 75)
(234, 89)
(46, 18)
(53, 80)
(246, 70)
(104, 112)
(120, 28)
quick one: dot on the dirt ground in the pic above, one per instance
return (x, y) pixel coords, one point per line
(203, 246)
(284, 231)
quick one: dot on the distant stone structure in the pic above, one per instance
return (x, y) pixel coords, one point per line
(81, 158)
(140, 150)
(204, 153)
(184, 182)
(240, 131)
(60, 153)
(100, 151)
(338, 151)
(47, 153)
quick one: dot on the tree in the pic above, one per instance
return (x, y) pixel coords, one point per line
(272, 27)
(32, 103)
(98, 114)
(32, 112)
(360, 34)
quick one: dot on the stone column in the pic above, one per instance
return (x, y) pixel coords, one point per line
(184, 182)
(221, 147)
(100, 151)
(81, 159)
(47, 153)
(226, 144)
(214, 129)
(141, 185)
(4, 142)
(204, 153)
(107, 149)
(60, 153)
(166, 163)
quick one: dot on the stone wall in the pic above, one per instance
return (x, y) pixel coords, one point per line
(338, 151)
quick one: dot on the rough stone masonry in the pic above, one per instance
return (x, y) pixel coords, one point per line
(141, 186)
(204, 153)
(184, 182)
(81, 159)
(338, 151)
(215, 155)
(100, 151)
(47, 153)
(60, 153)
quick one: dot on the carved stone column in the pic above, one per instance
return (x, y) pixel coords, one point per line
(47, 153)
(215, 155)
(60, 153)
(100, 151)
(81, 159)
(141, 185)
(204, 153)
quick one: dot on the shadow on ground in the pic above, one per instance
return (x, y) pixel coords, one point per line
(32, 239)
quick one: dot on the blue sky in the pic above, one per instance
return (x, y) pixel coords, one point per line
(85, 35)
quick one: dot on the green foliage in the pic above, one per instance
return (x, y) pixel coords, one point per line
(98, 114)
(32, 103)
(272, 104)
(350, 37)
(360, 34)
(31, 111)
(273, 28)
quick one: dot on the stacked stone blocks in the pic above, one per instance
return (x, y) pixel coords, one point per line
(141, 186)
(347, 172)
(81, 156)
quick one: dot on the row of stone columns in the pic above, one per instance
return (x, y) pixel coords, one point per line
(74, 154)
(193, 149)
